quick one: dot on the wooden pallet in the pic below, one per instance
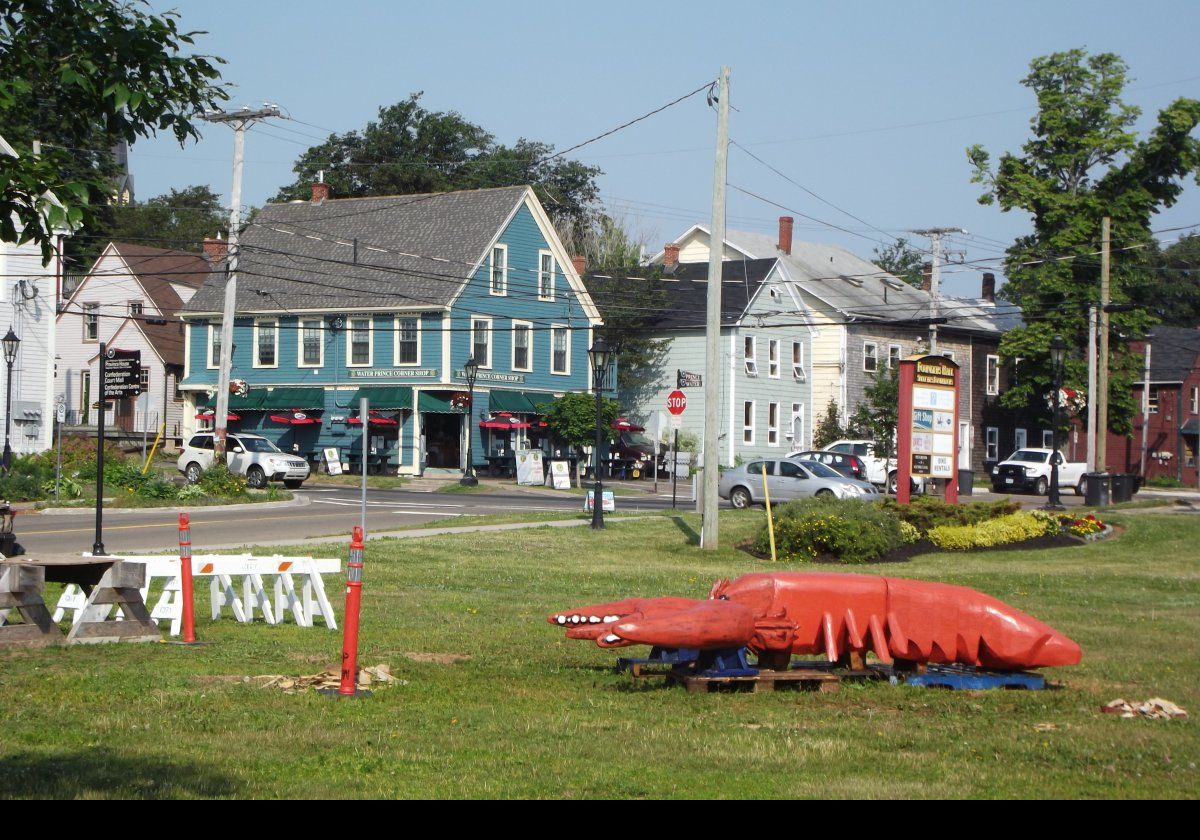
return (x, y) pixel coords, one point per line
(823, 681)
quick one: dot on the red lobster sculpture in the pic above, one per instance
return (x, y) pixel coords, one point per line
(779, 614)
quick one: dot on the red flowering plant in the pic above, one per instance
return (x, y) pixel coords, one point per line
(1086, 526)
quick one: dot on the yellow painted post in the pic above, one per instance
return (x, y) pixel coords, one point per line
(770, 519)
(150, 454)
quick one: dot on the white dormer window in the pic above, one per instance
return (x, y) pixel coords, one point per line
(749, 352)
(773, 358)
(798, 361)
(499, 278)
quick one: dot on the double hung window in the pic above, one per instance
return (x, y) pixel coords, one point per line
(481, 342)
(360, 342)
(522, 342)
(560, 344)
(408, 341)
(312, 342)
(266, 344)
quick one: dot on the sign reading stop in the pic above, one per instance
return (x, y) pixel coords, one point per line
(676, 402)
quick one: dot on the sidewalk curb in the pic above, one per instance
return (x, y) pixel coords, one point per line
(295, 501)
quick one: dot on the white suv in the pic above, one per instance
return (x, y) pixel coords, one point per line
(250, 455)
(879, 473)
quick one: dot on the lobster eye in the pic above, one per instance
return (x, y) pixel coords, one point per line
(722, 597)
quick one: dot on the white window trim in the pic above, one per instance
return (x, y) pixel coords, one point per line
(751, 361)
(798, 367)
(529, 350)
(749, 427)
(370, 341)
(553, 271)
(208, 360)
(85, 393)
(1047, 438)
(1020, 439)
(991, 443)
(1195, 399)
(140, 304)
(875, 345)
(992, 386)
(797, 413)
(95, 311)
(773, 430)
(499, 246)
(396, 341)
(567, 330)
(1153, 396)
(300, 342)
(490, 341)
(274, 322)
(899, 354)
(773, 365)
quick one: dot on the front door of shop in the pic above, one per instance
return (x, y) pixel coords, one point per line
(443, 438)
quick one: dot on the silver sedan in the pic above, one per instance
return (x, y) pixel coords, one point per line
(787, 481)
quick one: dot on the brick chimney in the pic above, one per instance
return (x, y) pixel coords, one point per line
(580, 263)
(989, 287)
(927, 277)
(215, 250)
(670, 254)
(320, 192)
(785, 234)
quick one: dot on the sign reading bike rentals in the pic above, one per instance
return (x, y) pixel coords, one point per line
(122, 373)
(934, 397)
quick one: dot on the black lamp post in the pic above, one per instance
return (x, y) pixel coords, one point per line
(11, 342)
(1058, 353)
(471, 370)
(600, 355)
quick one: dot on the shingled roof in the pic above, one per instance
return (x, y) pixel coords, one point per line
(411, 250)
(158, 268)
(1174, 353)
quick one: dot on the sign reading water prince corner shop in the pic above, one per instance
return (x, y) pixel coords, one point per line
(927, 426)
(488, 376)
(393, 373)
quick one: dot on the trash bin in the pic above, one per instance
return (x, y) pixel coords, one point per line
(1096, 489)
(966, 482)
(1122, 487)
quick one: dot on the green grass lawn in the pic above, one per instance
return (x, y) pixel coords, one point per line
(532, 714)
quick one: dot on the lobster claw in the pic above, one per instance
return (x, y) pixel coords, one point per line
(595, 621)
(706, 625)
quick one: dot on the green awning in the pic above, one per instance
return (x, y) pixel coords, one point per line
(384, 397)
(1191, 427)
(297, 399)
(518, 402)
(431, 402)
(252, 401)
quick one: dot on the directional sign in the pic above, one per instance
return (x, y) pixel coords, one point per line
(676, 402)
(687, 379)
(122, 374)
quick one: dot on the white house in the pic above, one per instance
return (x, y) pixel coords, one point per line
(28, 294)
(129, 300)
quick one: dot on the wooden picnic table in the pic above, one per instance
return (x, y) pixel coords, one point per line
(108, 582)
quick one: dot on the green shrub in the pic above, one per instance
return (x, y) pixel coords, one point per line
(1005, 530)
(68, 488)
(926, 512)
(18, 487)
(849, 531)
(910, 533)
(190, 493)
(1165, 481)
(218, 481)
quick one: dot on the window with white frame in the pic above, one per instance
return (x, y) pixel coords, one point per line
(773, 358)
(522, 345)
(894, 353)
(1047, 438)
(214, 345)
(481, 342)
(748, 422)
(135, 308)
(749, 353)
(360, 342)
(797, 424)
(408, 341)
(144, 379)
(312, 342)
(499, 279)
(266, 344)
(1195, 399)
(798, 360)
(85, 393)
(1153, 399)
(1020, 439)
(870, 356)
(91, 322)
(992, 438)
(949, 354)
(772, 424)
(560, 350)
(993, 376)
(545, 275)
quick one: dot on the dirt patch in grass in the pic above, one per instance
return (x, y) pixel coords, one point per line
(438, 658)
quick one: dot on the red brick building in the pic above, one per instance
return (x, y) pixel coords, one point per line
(1173, 427)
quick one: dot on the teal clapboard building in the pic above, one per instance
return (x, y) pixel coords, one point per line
(388, 298)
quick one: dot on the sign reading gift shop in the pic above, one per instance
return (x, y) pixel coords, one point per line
(927, 428)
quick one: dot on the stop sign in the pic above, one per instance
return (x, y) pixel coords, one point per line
(676, 402)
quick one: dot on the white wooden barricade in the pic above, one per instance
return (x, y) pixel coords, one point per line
(304, 605)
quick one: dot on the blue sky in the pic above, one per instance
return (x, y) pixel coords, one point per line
(869, 105)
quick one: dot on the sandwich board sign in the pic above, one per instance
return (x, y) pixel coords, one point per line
(333, 460)
(529, 467)
(560, 475)
(609, 501)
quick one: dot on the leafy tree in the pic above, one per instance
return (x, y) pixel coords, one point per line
(81, 75)
(829, 428)
(178, 219)
(876, 417)
(1170, 283)
(411, 150)
(902, 260)
(572, 420)
(1083, 162)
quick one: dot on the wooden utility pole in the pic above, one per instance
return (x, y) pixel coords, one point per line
(935, 279)
(1145, 406)
(712, 342)
(239, 120)
(1091, 394)
(1102, 377)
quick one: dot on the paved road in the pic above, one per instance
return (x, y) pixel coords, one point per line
(330, 510)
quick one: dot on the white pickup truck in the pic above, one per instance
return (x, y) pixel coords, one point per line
(1029, 469)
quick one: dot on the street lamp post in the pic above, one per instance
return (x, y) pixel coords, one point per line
(471, 370)
(1058, 352)
(600, 354)
(11, 342)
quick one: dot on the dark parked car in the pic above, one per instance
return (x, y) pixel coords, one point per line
(848, 465)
